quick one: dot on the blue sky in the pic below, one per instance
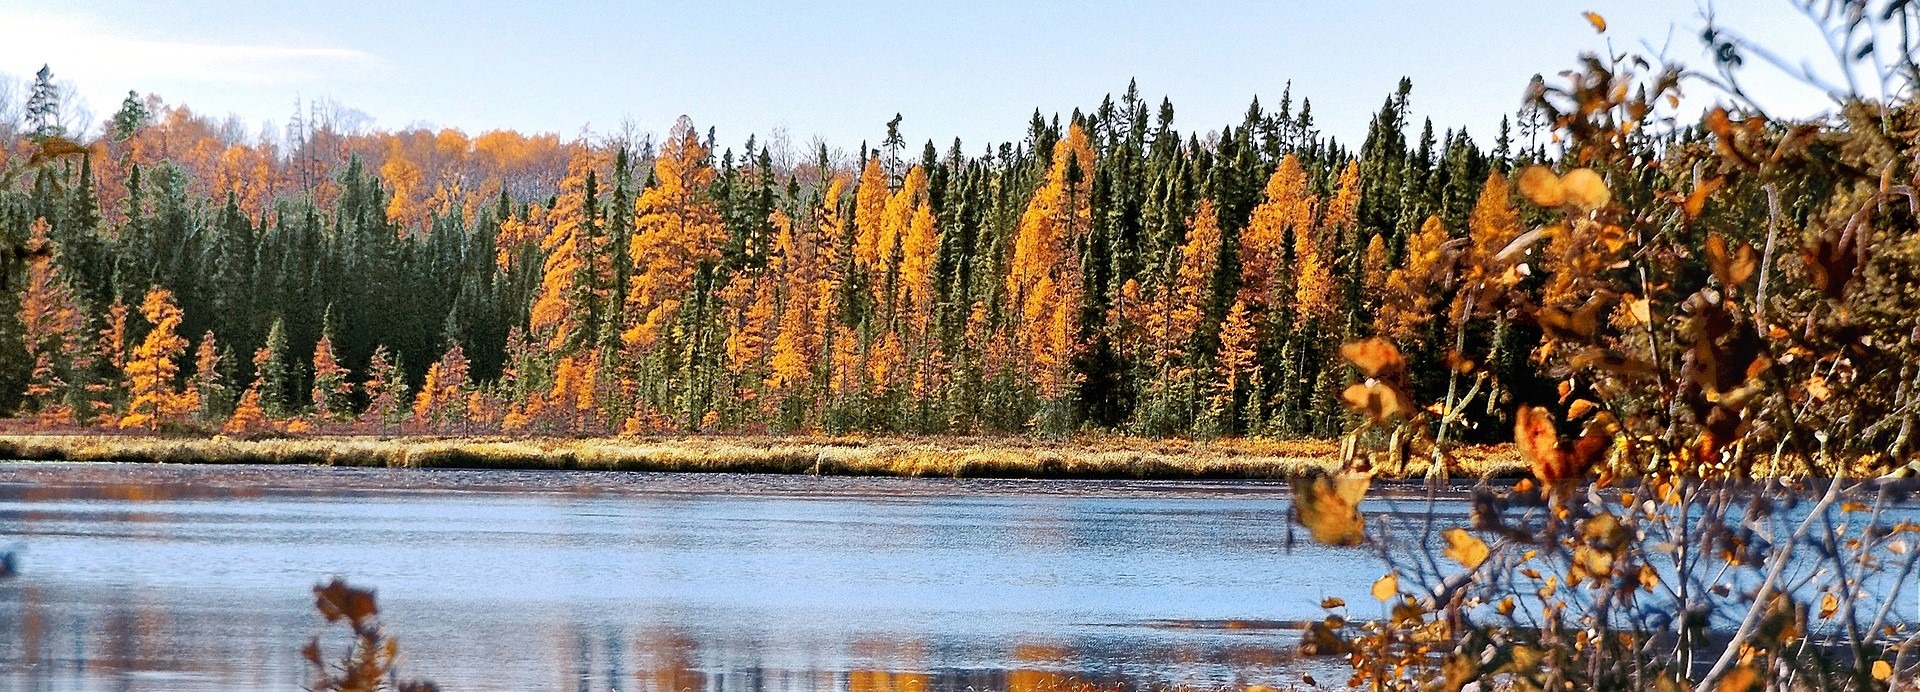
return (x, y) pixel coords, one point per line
(838, 70)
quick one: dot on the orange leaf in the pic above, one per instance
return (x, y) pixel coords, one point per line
(1599, 23)
(1697, 200)
(1466, 548)
(1542, 187)
(1586, 189)
(1329, 506)
(1386, 587)
(1536, 438)
(1731, 266)
(1380, 402)
(1374, 357)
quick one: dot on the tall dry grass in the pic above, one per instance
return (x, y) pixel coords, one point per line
(1090, 457)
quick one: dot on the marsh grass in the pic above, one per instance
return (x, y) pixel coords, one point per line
(960, 457)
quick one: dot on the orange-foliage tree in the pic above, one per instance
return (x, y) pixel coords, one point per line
(1044, 282)
(153, 367)
(53, 328)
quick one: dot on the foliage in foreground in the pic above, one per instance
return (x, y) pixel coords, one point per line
(1687, 361)
(368, 664)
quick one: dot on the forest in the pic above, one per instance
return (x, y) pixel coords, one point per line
(1686, 323)
(1110, 272)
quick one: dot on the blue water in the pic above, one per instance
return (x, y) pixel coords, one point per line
(136, 577)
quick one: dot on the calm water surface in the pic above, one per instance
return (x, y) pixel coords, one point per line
(141, 577)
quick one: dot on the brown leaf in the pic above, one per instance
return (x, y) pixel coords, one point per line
(1741, 679)
(1536, 438)
(1329, 507)
(1832, 263)
(336, 600)
(1579, 325)
(1380, 402)
(1610, 361)
(1554, 460)
(1640, 310)
(1818, 389)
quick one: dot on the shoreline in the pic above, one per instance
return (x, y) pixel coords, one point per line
(1104, 457)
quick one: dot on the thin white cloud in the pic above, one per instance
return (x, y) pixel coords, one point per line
(85, 52)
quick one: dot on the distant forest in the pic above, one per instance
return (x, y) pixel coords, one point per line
(1108, 272)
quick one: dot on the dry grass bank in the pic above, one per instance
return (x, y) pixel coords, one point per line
(1015, 457)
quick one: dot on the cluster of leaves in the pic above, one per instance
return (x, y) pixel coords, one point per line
(368, 664)
(1691, 352)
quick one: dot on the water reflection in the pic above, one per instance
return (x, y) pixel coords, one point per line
(173, 578)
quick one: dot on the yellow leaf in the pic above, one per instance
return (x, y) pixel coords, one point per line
(1818, 389)
(1466, 548)
(1741, 679)
(1641, 309)
(1330, 507)
(1829, 604)
(1599, 23)
(1882, 670)
(1585, 189)
(1388, 587)
(1542, 187)
(1697, 200)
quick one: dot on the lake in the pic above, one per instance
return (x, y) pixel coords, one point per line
(147, 577)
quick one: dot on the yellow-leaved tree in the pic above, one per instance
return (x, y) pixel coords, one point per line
(871, 247)
(153, 367)
(1044, 282)
(677, 228)
(1314, 288)
(1263, 245)
(1407, 300)
(578, 273)
(1493, 224)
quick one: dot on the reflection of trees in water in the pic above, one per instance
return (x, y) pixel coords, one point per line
(894, 666)
(22, 618)
(668, 662)
(601, 667)
(134, 637)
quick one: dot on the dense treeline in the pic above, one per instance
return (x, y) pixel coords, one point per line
(1109, 271)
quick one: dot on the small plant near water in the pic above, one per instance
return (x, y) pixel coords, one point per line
(368, 664)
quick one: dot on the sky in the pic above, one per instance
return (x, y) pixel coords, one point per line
(973, 69)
